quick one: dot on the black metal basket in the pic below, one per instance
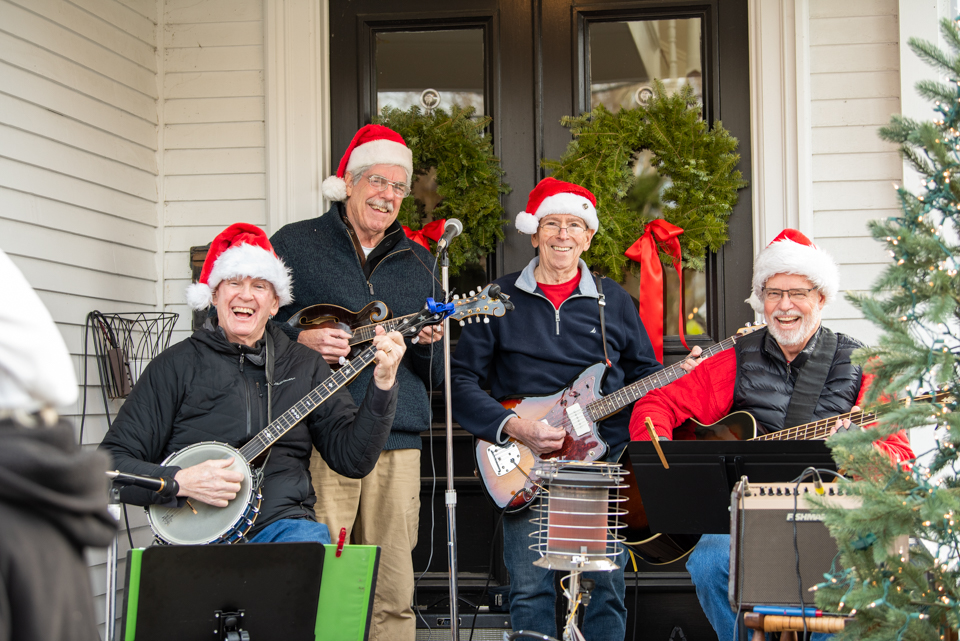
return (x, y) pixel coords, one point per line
(125, 343)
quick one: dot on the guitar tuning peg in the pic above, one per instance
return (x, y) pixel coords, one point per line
(341, 361)
(486, 320)
(462, 323)
(456, 297)
(473, 293)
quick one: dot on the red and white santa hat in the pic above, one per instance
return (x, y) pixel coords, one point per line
(372, 145)
(240, 250)
(793, 253)
(552, 196)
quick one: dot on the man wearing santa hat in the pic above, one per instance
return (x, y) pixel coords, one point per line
(353, 255)
(770, 373)
(560, 326)
(230, 379)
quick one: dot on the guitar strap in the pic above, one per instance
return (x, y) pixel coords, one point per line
(813, 375)
(269, 351)
(603, 303)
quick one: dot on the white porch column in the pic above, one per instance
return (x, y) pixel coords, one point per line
(297, 87)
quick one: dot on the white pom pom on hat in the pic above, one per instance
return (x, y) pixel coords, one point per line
(552, 196)
(240, 250)
(372, 145)
(793, 253)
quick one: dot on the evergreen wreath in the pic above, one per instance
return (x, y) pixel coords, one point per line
(697, 162)
(469, 177)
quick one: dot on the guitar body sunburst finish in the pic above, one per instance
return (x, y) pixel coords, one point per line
(514, 489)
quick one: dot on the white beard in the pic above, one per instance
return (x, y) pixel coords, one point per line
(793, 337)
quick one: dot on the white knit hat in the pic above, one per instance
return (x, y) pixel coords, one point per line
(793, 253)
(35, 367)
(240, 250)
(372, 145)
(552, 196)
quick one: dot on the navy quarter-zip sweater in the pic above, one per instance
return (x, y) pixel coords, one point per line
(538, 349)
(403, 274)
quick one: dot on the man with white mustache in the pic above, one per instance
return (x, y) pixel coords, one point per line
(353, 255)
(793, 280)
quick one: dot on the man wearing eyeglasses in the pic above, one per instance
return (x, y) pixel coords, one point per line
(353, 255)
(772, 374)
(554, 333)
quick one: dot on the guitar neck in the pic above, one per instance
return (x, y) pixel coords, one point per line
(821, 429)
(817, 430)
(286, 421)
(621, 398)
(367, 332)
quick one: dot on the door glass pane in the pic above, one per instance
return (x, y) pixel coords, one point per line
(451, 62)
(448, 61)
(625, 58)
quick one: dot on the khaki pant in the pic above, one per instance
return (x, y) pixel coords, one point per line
(382, 509)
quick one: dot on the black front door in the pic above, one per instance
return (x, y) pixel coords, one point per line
(528, 63)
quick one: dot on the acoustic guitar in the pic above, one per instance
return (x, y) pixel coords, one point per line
(736, 426)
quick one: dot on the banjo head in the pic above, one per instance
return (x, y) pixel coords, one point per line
(203, 523)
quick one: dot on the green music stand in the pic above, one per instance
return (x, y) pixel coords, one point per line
(252, 591)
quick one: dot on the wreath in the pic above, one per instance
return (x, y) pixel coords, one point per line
(693, 184)
(454, 150)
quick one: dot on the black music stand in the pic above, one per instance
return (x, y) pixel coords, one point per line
(693, 496)
(188, 592)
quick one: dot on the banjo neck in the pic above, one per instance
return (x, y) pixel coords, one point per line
(286, 421)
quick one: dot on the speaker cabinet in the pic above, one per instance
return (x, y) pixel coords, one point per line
(763, 563)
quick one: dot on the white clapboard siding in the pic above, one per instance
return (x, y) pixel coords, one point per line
(79, 175)
(213, 131)
(854, 89)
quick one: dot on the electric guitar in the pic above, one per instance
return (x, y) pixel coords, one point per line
(505, 469)
(200, 523)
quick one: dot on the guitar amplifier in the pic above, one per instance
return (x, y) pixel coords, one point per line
(763, 563)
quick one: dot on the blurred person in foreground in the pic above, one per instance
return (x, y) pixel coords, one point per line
(53, 496)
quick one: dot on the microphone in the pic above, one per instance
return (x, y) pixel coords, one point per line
(157, 484)
(451, 230)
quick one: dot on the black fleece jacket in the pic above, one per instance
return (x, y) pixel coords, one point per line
(53, 504)
(203, 390)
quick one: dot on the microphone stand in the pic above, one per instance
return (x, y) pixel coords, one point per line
(112, 550)
(450, 498)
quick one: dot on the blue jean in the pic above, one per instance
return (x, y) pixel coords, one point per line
(533, 595)
(709, 567)
(293, 530)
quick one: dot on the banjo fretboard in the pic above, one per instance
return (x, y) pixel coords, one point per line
(286, 421)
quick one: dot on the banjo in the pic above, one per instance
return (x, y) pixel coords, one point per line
(198, 523)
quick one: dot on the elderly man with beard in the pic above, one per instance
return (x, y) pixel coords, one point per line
(353, 255)
(793, 280)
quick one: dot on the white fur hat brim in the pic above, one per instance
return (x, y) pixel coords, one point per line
(334, 188)
(242, 261)
(788, 257)
(375, 152)
(562, 203)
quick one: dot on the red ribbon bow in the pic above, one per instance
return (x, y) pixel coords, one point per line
(432, 231)
(659, 234)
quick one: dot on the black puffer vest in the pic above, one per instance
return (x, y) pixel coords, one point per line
(765, 379)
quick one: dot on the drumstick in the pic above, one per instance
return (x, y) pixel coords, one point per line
(656, 443)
